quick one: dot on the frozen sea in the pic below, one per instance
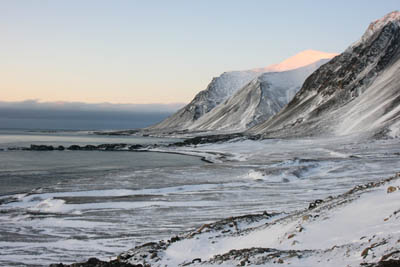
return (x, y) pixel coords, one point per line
(67, 206)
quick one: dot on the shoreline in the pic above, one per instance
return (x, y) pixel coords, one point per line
(240, 227)
(235, 150)
(205, 156)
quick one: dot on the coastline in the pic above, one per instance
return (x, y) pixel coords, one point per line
(312, 153)
(200, 247)
(172, 148)
(371, 250)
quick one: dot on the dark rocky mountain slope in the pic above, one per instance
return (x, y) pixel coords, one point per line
(356, 92)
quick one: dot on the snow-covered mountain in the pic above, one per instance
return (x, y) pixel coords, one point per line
(356, 92)
(226, 85)
(257, 101)
(219, 89)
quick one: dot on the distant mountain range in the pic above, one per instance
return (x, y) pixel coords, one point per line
(310, 94)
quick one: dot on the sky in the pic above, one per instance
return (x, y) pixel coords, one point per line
(149, 52)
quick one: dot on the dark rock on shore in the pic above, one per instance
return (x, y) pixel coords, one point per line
(74, 147)
(387, 263)
(145, 253)
(207, 139)
(133, 147)
(206, 160)
(89, 147)
(118, 133)
(314, 204)
(102, 147)
(94, 262)
(41, 148)
(256, 256)
(13, 148)
(38, 148)
(109, 147)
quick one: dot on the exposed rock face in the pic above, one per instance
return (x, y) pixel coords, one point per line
(256, 102)
(357, 91)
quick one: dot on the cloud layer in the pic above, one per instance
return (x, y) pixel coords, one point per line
(75, 106)
(32, 114)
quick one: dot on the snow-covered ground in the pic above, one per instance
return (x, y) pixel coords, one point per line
(360, 226)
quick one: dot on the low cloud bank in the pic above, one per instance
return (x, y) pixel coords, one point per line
(35, 104)
(33, 114)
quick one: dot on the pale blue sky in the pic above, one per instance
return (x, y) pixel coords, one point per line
(160, 51)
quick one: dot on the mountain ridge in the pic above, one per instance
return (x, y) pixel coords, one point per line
(351, 93)
(260, 99)
(220, 89)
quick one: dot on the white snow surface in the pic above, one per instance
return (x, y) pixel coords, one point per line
(336, 233)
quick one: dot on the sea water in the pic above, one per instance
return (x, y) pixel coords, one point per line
(68, 206)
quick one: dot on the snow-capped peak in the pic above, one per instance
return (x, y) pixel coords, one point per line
(301, 59)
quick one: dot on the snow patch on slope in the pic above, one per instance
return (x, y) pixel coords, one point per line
(299, 60)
